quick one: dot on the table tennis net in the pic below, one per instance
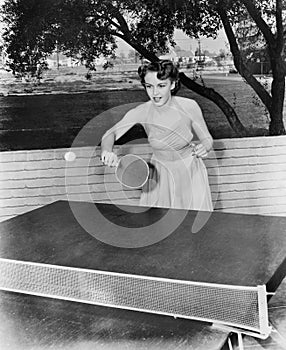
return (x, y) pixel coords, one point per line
(242, 307)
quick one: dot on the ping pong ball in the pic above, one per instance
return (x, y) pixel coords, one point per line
(70, 156)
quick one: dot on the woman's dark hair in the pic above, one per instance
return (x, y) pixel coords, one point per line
(166, 70)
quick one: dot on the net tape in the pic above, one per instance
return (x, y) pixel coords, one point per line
(234, 306)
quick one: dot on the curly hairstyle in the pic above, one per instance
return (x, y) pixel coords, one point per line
(165, 70)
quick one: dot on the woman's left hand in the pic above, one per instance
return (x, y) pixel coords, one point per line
(200, 151)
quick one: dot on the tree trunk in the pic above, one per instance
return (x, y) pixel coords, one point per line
(209, 93)
(276, 126)
(215, 97)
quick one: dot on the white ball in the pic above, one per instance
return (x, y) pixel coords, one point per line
(70, 156)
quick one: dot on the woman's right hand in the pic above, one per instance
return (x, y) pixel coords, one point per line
(109, 158)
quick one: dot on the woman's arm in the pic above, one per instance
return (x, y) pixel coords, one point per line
(131, 118)
(198, 124)
(108, 157)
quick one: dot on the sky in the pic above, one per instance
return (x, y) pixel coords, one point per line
(212, 45)
(186, 43)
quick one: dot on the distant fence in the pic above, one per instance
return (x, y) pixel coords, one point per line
(246, 175)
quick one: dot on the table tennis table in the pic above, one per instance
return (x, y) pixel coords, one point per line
(230, 249)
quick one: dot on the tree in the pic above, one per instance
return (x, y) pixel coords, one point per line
(88, 28)
(266, 18)
(35, 28)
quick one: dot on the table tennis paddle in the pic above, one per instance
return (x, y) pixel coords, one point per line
(132, 171)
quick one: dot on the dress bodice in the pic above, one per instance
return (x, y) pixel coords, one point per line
(169, 133)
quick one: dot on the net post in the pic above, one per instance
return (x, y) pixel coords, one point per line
(229, 343)
(265, 329)
(240, 341)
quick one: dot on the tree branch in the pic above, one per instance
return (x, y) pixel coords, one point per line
(261, 24)
(116, 25)
(239, 63)
(215, 97)
(279, 26)
(128, 37)
(121, 21)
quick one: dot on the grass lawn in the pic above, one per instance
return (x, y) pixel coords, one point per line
(39, 121)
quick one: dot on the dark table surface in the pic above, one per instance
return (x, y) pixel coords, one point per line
(230, 249)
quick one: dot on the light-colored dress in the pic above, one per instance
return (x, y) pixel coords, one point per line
(178, 179)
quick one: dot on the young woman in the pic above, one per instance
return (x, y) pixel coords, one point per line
(178, 177)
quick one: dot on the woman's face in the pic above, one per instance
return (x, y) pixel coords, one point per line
(159, 91)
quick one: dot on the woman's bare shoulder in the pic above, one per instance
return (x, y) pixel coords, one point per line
(185, 100)
(140, 108)
(187, 103)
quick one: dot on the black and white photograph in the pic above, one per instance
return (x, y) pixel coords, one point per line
(142, 175)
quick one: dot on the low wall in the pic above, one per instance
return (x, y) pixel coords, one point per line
(246, 176)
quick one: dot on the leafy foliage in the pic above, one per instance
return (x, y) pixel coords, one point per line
(30, 37)
(250, 37)
(86, 29)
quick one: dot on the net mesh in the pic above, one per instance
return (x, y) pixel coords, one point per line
(213, 303)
